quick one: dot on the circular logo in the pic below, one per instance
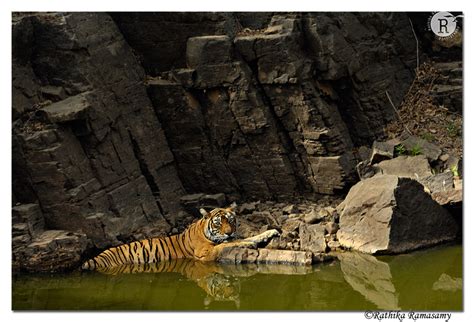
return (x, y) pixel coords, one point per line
(443, 24)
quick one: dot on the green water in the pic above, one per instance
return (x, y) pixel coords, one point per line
(424, 280)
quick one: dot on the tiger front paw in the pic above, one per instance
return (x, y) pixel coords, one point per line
(264, 237)
(269, 234)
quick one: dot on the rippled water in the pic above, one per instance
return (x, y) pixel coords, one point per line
(424, 280)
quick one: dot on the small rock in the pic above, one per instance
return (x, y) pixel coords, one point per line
(332, 227)
(453, 162)
(365, 170)
(274, 243)
(296, 246)
(174, 231)
(53, 93)
(439, 182)
(457, 183)
(431, 150)
(290, 209)
(259, 217)
(330, 210)
(278, 215)
(290, 225)
(312, 238)
(215, 200)
(334, 244)
(247, 208)
(444, 157)
(312, 217)
(293, 215)
(381, 151)
(292, 234)
(316, 216)
(450, 197)
(245, 228)
(190, 201)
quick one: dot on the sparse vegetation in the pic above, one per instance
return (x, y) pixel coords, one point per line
(422, 116)
(416, 150)
(454, 170)
(400, 149)
(453, 129)
(428, 137)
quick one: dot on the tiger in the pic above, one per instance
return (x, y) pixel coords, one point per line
(203, 240)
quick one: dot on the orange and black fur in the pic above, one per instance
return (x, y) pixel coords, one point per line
(203, 240)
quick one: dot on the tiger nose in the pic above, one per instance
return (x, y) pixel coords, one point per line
(228, 230)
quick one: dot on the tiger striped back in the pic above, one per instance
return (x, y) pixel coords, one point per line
(195, 242)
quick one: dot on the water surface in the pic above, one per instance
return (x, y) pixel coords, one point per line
(423, 280)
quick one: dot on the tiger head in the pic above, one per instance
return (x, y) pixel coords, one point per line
(221, 223)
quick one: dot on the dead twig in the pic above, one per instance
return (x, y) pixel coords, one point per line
(396, 111)
(416, 39)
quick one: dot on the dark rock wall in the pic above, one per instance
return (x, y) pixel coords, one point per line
(116, 116)
(98, 147)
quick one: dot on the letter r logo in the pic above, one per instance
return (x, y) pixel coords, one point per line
(443, 25)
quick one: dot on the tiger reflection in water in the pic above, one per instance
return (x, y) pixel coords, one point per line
(209, 276)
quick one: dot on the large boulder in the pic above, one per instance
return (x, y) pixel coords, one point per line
(414, 167)
(389, 214)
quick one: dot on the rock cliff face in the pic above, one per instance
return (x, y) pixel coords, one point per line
(116, 116)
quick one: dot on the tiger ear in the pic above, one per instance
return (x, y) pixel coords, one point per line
(203, 212)
(233, 206)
